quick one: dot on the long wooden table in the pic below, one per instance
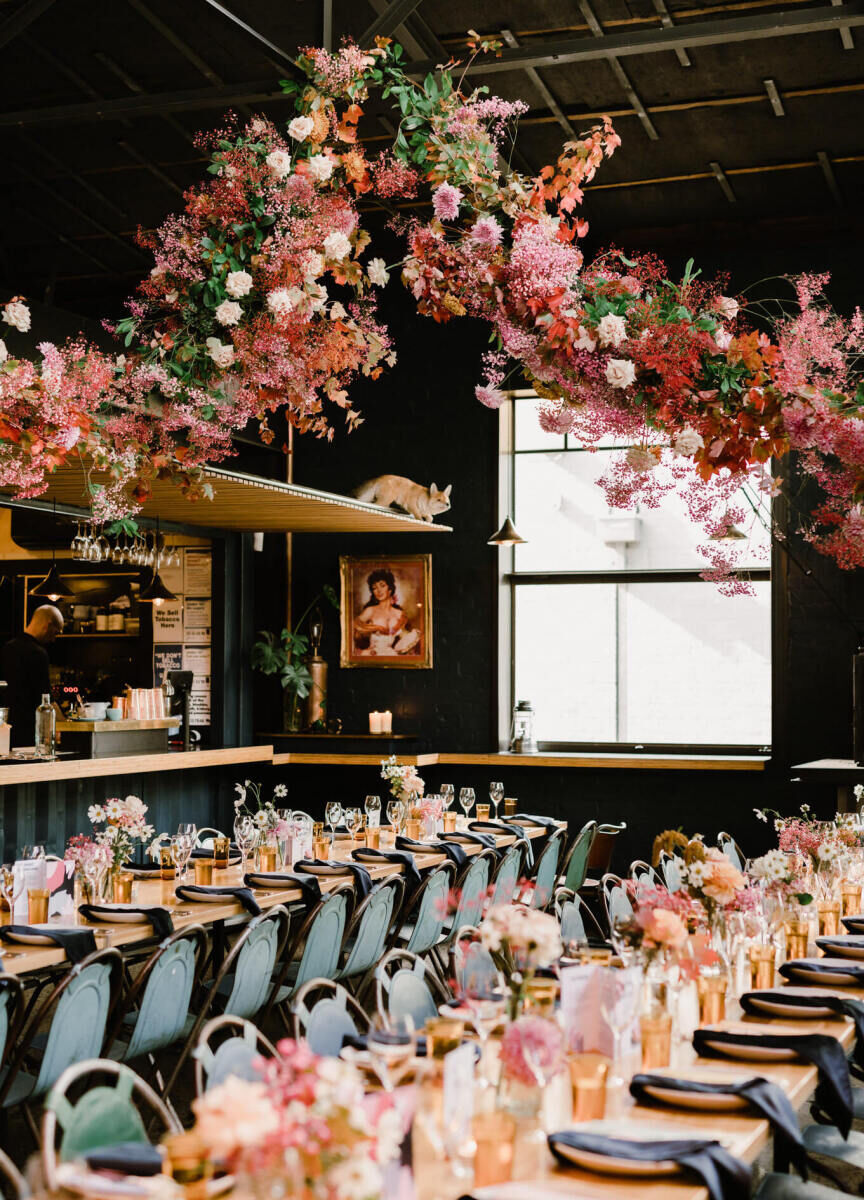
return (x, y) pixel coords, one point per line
(19, 959)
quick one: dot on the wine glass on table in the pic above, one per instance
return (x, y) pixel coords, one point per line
(392, 1045)
(484, 994)
(333, 817)
(448, 793)
(619, 1006)
(395, 814)
(466, 799)
(181, 849)
(245, 832)
(496, 795)
(372, 806)
(10, 888)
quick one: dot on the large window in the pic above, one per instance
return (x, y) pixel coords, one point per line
(614, 636)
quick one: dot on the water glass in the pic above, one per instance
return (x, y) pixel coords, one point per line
(466, 799)
(496, 795)
(245, 831)
(619, 1006)
(333, 817)
(372, 806)
(392, 1045)
(448, 792)
(396, 814)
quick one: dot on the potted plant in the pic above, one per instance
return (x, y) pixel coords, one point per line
(284, 655)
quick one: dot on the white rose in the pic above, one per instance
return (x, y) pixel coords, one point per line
(687, 443)
(156, 271)
(377, 272)
(279, 302)
(171, 297)
(320, 167)
(238, 284)
(727, 307)
(4, 353)
(337, 312)
(639, 459)
(222, 354)
(611, 330)
(313, 265)
(229, 312)
(17, 315)
(723, 339)
(279, 163)
(337, 246)
(620, 372)
(584, 340)
(300, 128)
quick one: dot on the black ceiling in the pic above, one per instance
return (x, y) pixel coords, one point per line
(726, 143)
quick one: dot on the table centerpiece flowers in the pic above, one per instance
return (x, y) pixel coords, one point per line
(124, 826)
(521, 941)
(306, 1129)
(404, 782)
(91, 861)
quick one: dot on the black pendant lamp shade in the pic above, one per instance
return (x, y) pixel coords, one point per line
(51, 587)
(506, 535)
(154, 590)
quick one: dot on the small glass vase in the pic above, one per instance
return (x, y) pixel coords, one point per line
(520, 1100)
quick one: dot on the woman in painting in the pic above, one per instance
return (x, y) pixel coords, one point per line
(382, 620)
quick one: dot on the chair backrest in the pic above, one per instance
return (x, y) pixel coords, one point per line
(575, 867)
(731, 849)
(204, 837)
(76, 1014)
(578, 923)
(546, 874)
(602, 848)
(369, 928)
(643, 874)
(405, 987)
(427, 908)
(506, 878)
(616, 902)
(217, 1057)
(472, 885)
(13, 1185)
(10, 1011)
(105, 1115)
(324, 1014)
(321, 937)
(471, 964)
(161, 994)
(251, 963)
(670, 869)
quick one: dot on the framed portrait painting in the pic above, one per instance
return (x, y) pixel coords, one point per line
(386, 611)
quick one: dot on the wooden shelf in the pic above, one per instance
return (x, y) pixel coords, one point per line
(351, 760)
(631, 762)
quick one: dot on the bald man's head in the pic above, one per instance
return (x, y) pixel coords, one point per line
(46, 624)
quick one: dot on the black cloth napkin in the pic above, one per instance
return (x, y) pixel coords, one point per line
(412, 875)
(308, 884)
(362, 878)
(724, 1176)
(843, 1005)
(452, 850)
(77, 943)
(854, 923)
(510, 827)
(767, 1098)
(533, 819)
(152, 868)
(126, 1158)
(359, 1041)
(825, 1053)
(203, 852)
(827, 966)
(193, 891)
(159, 918)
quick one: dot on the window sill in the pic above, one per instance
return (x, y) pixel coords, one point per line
(619, 761)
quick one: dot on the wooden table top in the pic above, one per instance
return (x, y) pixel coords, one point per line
(19, 959)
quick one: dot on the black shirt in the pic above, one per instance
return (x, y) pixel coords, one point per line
(24, 666)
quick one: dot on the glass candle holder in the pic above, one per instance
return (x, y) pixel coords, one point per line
(412, 828)
(850, 899)
(828, 912)
(588, 1075)
(373, 838)
(761, 966)
(656, 1040)
(203, 871)
(510, 806)
(167, 865)
(494, 1134)
(320, 847)
(443, 1034)
(483, 812)
(450, 822)
(122, 887)
(37, 905)
(712, 999)
(387, 839)
(797, 936)
(221, 851)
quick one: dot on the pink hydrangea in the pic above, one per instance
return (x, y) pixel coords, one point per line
(445, 201)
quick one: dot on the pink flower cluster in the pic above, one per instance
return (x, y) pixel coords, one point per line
(532, 1050)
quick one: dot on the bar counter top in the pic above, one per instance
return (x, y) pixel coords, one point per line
(133, 764)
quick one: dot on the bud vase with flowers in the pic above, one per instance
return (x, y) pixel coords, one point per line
(531, 1053)
(721, 889)
(521, 941)
(92, 861)
(124, 827)
(404, 782)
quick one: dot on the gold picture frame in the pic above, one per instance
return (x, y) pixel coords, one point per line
(386, 611)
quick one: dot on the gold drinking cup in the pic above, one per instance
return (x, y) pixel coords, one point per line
(712, 999)
(494, 1134)
(203, 871)
(412, 828)
(656, 1040)
(37, 905)
(321, 847)
(373, 838)
(483, 812)
(166, 863)
(540, 997)
(829, 917)
(450, 822)
(588, 1075)
(221, 851)
(443, 1034)
(510, 806)
(761, 966)
(266, 858)
(797, 937)
(850, 899)
(122, 887)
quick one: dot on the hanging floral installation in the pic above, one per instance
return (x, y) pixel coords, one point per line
(262, 300)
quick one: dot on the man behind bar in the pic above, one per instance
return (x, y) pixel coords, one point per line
(24, 666)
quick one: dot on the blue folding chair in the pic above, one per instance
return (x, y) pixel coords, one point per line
(546, 872)
(314, 952)
(574, 869)
(405, 986)
(218, 1057)
(324, 1014)
(368, 931)
(426, 911)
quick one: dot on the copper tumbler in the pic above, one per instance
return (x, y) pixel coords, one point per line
(450, 822)
(850, 898)
(122, 887)
(443, 1034)
(266, 858)
(203, 871)
(166, 863)
(510, 806)
(588, 1074)
(482, 812)
(321, 847)
(412, 828)
(712, 999)
(373, 838)
(494, 1135)
(221, 851)
(797, 937)
(37, 905)
(829, 917)
(761, 967)
(656, 1041)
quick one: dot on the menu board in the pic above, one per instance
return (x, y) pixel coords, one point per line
(183, 630)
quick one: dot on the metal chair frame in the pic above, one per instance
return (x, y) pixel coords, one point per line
(640, 868)
(586, 833)
(354, 926)
(607, 883)
(294, 951)
(404, 960)
(591, 925)
(320, 989)
(57, 1098)
(203, 1053)
(552, 849)
(16, 1184)
(603, 847)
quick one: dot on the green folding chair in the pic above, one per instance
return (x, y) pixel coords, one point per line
(369, 930)
(574, 869)
(324, 1014)
(217, 1057)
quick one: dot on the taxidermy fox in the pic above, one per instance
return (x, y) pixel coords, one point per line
(414, 499)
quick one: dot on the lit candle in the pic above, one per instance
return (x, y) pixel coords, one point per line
(386, 721)
(375, 722)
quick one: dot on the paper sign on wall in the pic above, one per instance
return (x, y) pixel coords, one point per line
(166, 658)
(168, 621)
(196, 573)
(196, 621)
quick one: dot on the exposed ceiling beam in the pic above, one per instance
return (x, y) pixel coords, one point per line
(545, 94)
(830, 178)
(620, 74)
(774, 98)
(135, 87)
(18, 22)
(63, 171)
(253, 33)
(387, 21)
(176, 41)
(559, 51)
(58, 198)
(846, 39)
(725, 186)
(667, 23)
(155, 171)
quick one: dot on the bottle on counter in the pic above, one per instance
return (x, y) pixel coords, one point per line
(45, 727)
(102, 620)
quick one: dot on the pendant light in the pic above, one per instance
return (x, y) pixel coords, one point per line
(52, 586)
(507, 535)
(154, 590)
